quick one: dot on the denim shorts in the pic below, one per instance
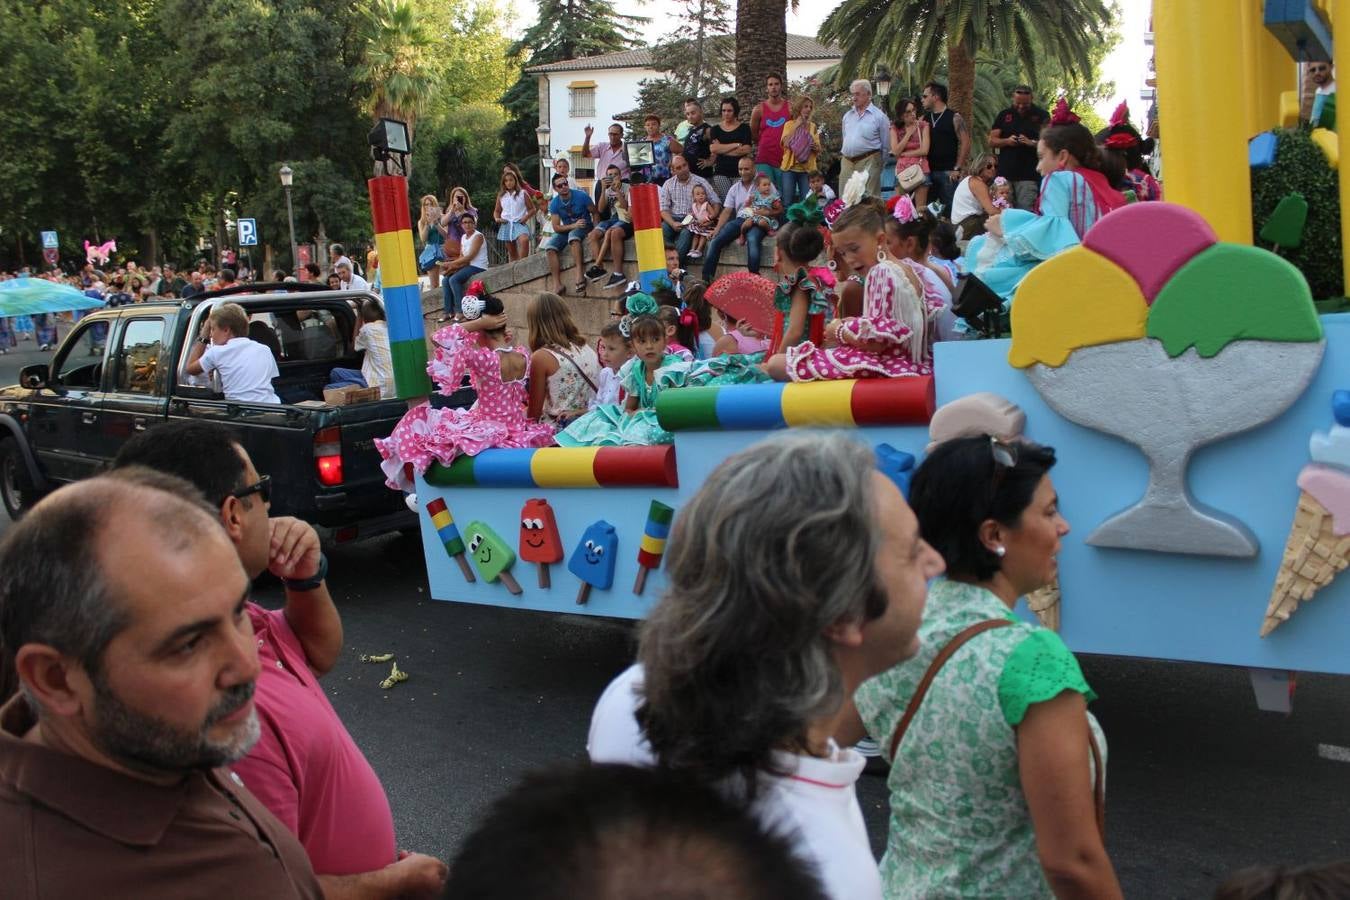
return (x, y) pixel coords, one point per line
(559, 241)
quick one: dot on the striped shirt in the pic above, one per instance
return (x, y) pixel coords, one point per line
(377, 368)
(677, 197)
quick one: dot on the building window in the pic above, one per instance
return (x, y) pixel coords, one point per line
(582, 102)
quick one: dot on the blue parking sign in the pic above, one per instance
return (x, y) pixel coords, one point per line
(248, 232)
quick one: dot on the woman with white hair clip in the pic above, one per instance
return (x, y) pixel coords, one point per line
(796, 573)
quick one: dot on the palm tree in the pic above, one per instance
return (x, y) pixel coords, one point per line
(398, 61)
(893, 32)
(761, 46)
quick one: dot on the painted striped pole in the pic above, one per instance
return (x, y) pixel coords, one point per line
(401, 293)
(651, 246)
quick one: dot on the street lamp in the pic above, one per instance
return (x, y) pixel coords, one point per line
(542, 133)
(286, 177)
(883, 80)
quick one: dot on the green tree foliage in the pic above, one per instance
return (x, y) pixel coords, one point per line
(700, 55)
(896, 32)
(566, 29)
(1301, 167)
(159, 122)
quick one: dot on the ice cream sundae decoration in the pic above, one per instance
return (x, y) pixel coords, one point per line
(1157, 333)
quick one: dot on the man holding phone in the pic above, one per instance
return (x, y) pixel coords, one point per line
(614, 225)
(1015, 133)
(606, 155)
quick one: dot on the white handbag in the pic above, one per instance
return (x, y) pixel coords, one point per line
(910, 177)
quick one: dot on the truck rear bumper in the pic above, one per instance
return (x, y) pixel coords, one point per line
(371, 527)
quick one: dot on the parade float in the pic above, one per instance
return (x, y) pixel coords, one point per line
(1176, 362)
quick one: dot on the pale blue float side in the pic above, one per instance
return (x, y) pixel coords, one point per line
(1200, 609)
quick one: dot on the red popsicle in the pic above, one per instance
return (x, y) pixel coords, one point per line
(540, 542)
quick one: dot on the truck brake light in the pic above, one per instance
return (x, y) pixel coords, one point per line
(328, 455)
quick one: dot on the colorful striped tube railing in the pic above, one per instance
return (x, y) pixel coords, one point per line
(561, 467)
(839, 404)
(400, 291)
(645, 202)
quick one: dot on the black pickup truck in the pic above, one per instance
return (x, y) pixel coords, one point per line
(120, 371)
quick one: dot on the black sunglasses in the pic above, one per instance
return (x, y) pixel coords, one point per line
(262, 487)
(1004, 457)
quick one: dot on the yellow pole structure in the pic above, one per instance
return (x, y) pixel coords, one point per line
(1204, 123)
(1340, 12)
(1267, 68)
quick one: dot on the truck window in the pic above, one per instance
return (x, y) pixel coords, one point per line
(138, 357)
(81, 361)
(312, 335)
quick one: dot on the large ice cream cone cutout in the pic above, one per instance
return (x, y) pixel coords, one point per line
(1318, 546)
(1168, 351)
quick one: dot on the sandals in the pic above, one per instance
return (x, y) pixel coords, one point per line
(580, 287)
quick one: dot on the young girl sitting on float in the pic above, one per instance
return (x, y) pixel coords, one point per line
(480, 347)
(801, 301)
(907, 234)
(643, 378)
(890, 338)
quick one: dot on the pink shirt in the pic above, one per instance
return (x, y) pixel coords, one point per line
(606, 156)
(305, 768)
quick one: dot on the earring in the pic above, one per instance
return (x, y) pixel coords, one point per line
(1000, 550)
(832, 264)
(881, 255)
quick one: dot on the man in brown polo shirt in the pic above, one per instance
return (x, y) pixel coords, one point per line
(123, 606)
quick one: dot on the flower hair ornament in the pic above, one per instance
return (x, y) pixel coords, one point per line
(1121, 135)
(807, 212)
(1062, 114)
(642, 304)
(904, 211)
(473, 304)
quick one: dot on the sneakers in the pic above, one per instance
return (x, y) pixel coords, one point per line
(595, 273)
(694, 254)
(616, 279)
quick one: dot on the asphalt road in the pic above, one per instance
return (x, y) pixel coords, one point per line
(1201, 782)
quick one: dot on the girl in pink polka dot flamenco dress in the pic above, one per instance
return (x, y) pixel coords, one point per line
(499, 372)
(891, 338)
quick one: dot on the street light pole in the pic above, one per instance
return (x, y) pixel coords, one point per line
(542, 133)
(286, 177)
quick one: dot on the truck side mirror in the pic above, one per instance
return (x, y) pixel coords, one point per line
(35, 376)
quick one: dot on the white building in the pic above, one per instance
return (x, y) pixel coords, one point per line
(594, 89)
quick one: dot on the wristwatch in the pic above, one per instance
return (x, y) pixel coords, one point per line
(309, 584)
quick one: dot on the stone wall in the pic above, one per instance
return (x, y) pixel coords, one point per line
(516, 283)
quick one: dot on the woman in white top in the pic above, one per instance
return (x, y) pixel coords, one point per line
(564, 370)
(512, 215)
(972, 203)
(473, 259)
(796, 572)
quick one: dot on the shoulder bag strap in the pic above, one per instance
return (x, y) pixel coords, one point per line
(580, 371)
(938, 662)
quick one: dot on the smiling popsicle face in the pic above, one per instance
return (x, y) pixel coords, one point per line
(490, 553)
(593, 559)
(539, 538)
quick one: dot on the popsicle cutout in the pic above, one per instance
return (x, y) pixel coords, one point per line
(540, 542)
(444, 524)
(491, 555)
(593, 559)
(653, 545)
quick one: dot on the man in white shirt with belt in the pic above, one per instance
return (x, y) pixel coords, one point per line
(866, 129)
(246, 367)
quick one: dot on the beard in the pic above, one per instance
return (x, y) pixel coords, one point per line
(146, 743)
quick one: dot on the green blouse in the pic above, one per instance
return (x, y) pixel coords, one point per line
(959, 823)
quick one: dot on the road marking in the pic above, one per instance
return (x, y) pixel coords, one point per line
(1333, 752)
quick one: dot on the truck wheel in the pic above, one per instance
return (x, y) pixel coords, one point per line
(16, 490)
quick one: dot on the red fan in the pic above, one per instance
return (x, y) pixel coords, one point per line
(743, 295)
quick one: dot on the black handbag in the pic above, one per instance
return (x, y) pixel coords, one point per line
(976, 302)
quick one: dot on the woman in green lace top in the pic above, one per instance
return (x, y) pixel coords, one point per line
(993, 784)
